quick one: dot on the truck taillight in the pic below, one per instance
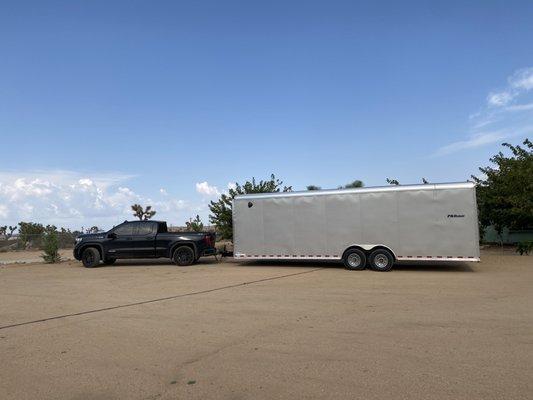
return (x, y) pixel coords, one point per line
(208, 241)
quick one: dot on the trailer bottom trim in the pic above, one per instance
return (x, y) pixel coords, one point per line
(337, 257)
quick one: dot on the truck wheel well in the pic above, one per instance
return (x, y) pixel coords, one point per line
(94, 247)
(192, 246)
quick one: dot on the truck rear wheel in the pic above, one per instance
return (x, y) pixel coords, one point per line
(354, 259)
(90, 257)
(183, 256)
(381, 260)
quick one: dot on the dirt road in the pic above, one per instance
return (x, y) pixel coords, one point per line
(248, 331)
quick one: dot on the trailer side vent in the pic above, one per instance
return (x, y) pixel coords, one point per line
(250, 204)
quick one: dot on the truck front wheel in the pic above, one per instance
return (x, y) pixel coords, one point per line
(183, 256)
(90, 257)
(354, 259)
(381, 260)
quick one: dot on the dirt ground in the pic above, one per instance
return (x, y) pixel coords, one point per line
(30, 256)
(265, 331)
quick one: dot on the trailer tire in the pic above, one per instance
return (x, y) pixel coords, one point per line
(90, 257)
(381, 260)
(354, 259)
(183, 256)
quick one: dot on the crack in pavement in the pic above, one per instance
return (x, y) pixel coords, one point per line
(36, 321)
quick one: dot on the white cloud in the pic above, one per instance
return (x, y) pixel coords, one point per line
(3, 211)
(71, 199)
(163, 192)
(232, 185)
(207, 190)
(522, 79)
(499, 99)
(508, 113)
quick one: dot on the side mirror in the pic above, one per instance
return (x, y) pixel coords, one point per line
(112, 235)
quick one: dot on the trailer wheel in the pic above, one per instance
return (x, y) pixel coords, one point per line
(381, 260)
(90, 257)
(183, 256)
(354, 259)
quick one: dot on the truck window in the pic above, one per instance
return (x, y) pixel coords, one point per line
(124, 229)
(144, 228)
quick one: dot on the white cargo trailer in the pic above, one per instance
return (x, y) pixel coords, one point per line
(376, 225)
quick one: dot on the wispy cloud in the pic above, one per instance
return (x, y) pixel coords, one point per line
(507, 113)
(476, 140)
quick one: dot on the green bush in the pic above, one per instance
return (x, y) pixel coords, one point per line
(524, 248)
(51, 247)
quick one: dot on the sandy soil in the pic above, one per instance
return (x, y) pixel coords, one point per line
(265, 331)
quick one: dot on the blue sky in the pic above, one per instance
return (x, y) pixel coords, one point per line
(104, 103)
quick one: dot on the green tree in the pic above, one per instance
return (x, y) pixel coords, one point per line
(3, 230)
(221, 210)
(353, 185)
(30, 234)
(142, 213)
(313, 187)
(195, 225)
(505, 192)
(392, 181)
(51, 246)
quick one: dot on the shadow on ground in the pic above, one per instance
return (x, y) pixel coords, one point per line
(212, 262)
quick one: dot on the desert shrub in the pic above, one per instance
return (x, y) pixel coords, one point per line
(51, 247)
(195, 225)
(524, 248)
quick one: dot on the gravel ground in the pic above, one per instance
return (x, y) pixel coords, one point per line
(227, 330)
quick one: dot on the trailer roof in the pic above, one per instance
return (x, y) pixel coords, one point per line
(389, 188)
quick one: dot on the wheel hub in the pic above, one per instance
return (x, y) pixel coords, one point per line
(381, 261)
(354, 260)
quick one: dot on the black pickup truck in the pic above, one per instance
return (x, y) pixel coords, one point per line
(143, 239)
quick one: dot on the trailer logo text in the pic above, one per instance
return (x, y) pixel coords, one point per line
(456, 215)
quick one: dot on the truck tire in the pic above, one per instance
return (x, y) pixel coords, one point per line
(90, 257)
(183, 256)
(354, 259)
(381, 260)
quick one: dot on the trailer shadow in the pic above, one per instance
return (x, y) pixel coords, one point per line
(398, 267)
(434, 267)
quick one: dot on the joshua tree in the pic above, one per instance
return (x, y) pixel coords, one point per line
(392, 181)
(11, 230)
(141, 213)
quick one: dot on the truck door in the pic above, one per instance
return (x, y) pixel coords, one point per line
(143, 239)
(121, 245)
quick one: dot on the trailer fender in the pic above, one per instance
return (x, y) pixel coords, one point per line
(369, 247)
